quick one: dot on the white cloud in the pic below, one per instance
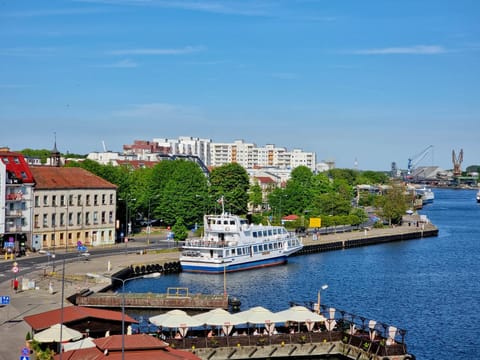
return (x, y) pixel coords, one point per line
(410, 50)
(158, 51)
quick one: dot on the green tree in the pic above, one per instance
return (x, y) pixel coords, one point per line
(256, 196)
(178, 184)
(231, 182)
(180, 231)
(393, 204)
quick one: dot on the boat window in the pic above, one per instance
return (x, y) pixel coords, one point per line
(265, 232)
(254, 234)
(232, 222)
(275, 245)
(233, 252)
(255, 248)
(227, 253)
(269, 232)
(274, 231)
(270, 246)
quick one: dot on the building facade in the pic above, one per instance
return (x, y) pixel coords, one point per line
(16, 193)
(72, 206)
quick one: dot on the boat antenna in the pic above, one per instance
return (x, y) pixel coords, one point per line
(221, 201)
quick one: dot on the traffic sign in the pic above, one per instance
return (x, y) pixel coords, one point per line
(15, 269)
(22, 357)
(25, 351)
(5, 300)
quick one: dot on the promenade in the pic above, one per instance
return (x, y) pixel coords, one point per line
(22, 303)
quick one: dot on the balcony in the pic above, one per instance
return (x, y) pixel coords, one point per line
(13, 213)
(14, 197)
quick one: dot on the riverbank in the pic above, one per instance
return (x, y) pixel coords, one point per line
(45, 297)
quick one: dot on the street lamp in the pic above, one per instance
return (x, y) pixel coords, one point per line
(123, 281)
(125, 238)
(323, 287)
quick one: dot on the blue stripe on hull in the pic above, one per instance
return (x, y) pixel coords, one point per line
(234, 267)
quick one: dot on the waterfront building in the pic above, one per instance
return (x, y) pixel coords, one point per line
(72, 205)
(16, 189)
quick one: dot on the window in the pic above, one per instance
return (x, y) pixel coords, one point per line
(95, 200)
(110, 217)
(70, 200)
(45, 220)
(111, 199)
(23, 174)
(87, 218)
(79, 218)
(54, 200)
(88, 200)
(45, 200)
(104, 220)
(54, 219)
(37, 201)
(103, 199)
(79, 200)
(5, 160)
(95, 217)
(62, 200)
(35, 221)
(62, 219)
(15, 160)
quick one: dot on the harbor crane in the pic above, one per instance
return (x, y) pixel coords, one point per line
(414, 160)
(457, 163)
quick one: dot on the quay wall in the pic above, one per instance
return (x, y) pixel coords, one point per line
(353, 239)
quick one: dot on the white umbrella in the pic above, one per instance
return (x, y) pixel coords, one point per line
(176, 319)
(219, 317)
(260, 315)
(52, 334)
(299, 314)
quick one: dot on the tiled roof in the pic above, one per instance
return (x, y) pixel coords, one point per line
(70, 314)
(137, 347)
(137, 164)
(292, 217)
(49, 177)
(264, 179)
(16, 164)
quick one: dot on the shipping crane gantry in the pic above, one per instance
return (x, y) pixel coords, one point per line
(414, 160)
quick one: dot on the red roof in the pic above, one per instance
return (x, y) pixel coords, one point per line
(49, 177)
(137, 347)
(291, 217)
(70, 314)
(265, 179)
(15, 163)
(137, 164)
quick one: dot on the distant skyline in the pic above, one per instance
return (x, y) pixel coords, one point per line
(362, 83)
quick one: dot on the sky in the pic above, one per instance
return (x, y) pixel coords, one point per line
(362, 83)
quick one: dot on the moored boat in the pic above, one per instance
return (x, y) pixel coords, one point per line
(426, 194)
(478, 196)
(230, 244)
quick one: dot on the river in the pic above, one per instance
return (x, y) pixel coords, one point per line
(430, 287)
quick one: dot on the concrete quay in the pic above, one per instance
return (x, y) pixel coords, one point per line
(28, 302)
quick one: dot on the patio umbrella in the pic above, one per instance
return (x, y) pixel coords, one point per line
(176, 319)
(260, 315)
(52, 334)
(300, 314)
(220, 317)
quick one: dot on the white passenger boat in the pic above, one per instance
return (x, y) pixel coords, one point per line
(426, 194)
(478, 196)
(231, 244)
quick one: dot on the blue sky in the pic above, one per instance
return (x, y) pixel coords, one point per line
(371, 81)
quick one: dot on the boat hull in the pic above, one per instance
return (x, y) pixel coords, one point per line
(199, 267)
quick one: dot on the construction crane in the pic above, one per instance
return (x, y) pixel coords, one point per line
(457, 163)
(414, 160)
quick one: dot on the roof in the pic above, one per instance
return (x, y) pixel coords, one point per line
(49, 177)
(15, 163)
(137, 164)
(70, 314)
(292, 217)
(264, 179)
(137, 347)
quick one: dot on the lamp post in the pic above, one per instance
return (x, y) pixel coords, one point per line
(125, 238)
(323, 287)
(123, 281)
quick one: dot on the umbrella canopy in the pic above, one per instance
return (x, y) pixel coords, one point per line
(175, 319)
(259, 315)
(52, 334)
(218, 317)
(299, 314)
(84, 343)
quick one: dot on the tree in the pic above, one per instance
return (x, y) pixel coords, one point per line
(230, 182)
(255, 196)
(393, 204)
(179, 230)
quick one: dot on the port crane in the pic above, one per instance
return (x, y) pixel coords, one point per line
(414, 160)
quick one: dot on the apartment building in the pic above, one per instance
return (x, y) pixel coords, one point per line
(16, 194)
(72, 205)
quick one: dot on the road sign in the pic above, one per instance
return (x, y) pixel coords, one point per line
(5, 300)
(22, 357)
(25, 351)
(15, 269)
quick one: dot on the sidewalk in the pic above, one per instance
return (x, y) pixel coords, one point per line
(22, 303)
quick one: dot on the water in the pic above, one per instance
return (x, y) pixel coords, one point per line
(430, 287)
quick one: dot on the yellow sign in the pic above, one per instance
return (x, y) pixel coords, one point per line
(315, 222)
